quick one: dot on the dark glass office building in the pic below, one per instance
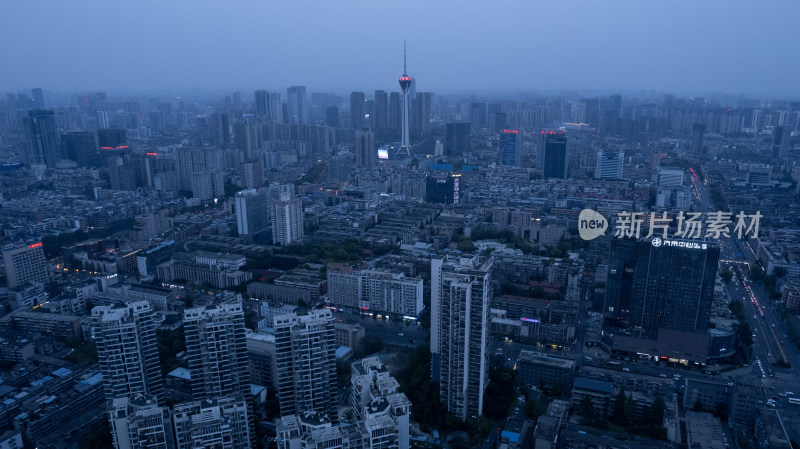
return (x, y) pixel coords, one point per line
(666, 286)
(44, 141)
(443, 189)
(456, 139)
(510, 151)
(553, 156)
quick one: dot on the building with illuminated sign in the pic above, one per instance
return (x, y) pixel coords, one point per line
(25, 263)
(552, 155)
(443, 189)
(510, 146)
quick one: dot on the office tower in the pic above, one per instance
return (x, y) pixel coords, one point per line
(443, 189)
(380, 113)
(251, 174)
(220, 129)
(654, 287)
(510, 145)
(553, 154)
(139, 422)
(127, 350)
(81, 147)
(102, 119)
(332, 116)
(252, 212)
(305, 347)
(366, 153)
(25, 263)
(260, 106)
(216, 350)
(110, 139)
(405, 82)
(461, 293)
(609, 164)
(357, 120)
(287, 219)
(498, 121)
(38, 98)
(221, 422)
(395, 111)
(457, 139)
(780, 141)
(698, 129)
(477, 115)
(421, 117)
(44, 141)
(247, 134)
(296, 104)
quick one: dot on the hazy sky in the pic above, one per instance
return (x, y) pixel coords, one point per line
(682, 46)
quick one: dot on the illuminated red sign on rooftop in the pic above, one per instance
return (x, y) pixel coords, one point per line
(35, 245)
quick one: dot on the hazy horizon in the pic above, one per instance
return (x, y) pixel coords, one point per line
(683, 47)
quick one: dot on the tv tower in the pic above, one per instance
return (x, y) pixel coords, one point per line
(405, 83)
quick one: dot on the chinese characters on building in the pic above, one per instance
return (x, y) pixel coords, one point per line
(688, 225)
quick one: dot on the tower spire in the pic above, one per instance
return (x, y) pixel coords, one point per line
(404, 58)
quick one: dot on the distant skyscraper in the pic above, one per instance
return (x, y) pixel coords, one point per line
(461, 294)
(287, 219)
(38, 98)
(405, 83)
(252, 212)
(305, 349)
(698, 130)
(25, 263)
(44, 141)
(296, 101)
(220, 129)
(477, 115)
(510, 144)
(357, 105)
(395, 111)
(609, 164)
(553, 155)
(216, 350)
(81, 147)
(102, 119)
(261, 103)
(381, 111)
(332, 116)
(780, 141)
(366, 153)
(127, 351)
(457, 139)
(660, 287)
(421, 113)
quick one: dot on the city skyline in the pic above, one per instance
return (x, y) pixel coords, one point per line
(660, 47)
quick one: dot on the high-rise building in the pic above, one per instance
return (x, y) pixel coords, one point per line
(127, 350)
(261, 104)
(305, 348)
(443, 189)
(357, 104)
(102, 119)
(457, 139)
(287, 219)
(366, 153)
(139, 422)
(405, 83)
(38, 97)
(252, 212)
(220, 129)
(25, 263)
(461, 293)
(395, 111)
(510, 145)
(220, 422)
(248, 135)
(110, 139)
(296, 104)
(662, 285)
(332, 116)
(44, 141)
(780, 141)
(421, 113)
(698, 130)
(552, 154)
(609, 164)
(216, 350)
(477, 115)
(251, 174)
(381, 111)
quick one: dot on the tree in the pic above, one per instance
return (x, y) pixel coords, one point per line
(618, 416)
(726, 275)
(586, 408)
(655, 413)
(756, 273)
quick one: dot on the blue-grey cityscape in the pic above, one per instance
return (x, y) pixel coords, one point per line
(318, 265)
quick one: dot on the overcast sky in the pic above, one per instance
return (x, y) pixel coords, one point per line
(681, 46)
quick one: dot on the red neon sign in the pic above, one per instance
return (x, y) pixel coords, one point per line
(35, 245)
(152, 154)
